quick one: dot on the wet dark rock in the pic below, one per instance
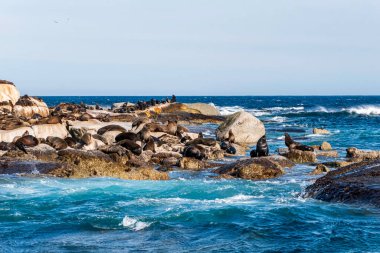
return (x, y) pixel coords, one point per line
(358, 183)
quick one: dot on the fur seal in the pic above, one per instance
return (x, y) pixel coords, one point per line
(150, 145)
(132, 146)
(262, 148)
(87, 139)
(127, 136)
(231, 137)
(200, 135)
(54, 120)
(56, 142)
(231, 150)
(26, 141)
(144, 134)
(138, 122)
(194, 152)
(85, 117)
(202, 141)
(108, 128)
(291, 144)
(70, 142)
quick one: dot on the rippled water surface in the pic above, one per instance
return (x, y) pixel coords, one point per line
(193, 211)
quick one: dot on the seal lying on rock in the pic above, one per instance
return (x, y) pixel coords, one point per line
(194, 151)
(169, 128)
(127, 136)
(291, 144)
(108, 128)
(56, 142)
(262, 148)
(132, 146)
(26, 141)
(150, 145)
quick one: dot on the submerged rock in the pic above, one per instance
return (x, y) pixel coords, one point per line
(247, 128)
(320, 131)
(190, 163)
(255, 168)
(356, 183)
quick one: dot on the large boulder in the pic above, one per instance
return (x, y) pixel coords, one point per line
(247, 128)
(205, 109)
(356, 183)
(28, 106)
(8, 92)
(254, 168)
(46, 130)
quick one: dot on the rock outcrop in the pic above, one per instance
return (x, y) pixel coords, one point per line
(28, 106)
(8, 92)
(357, 183)
(299, 156)
(205, 109)
(255, 168)
(247, 128)
(358, 155)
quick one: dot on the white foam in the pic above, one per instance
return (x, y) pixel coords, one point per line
(365, 110)
(134, 224)
(278, 119)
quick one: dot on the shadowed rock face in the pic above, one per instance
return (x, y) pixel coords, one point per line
(356, 183)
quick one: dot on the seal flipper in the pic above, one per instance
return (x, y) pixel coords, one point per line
(21, 146)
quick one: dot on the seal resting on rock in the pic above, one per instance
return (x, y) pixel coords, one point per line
(262, 148)
(291, 144)
(193, 151)
(127, 136)
(108, 128)
(56, 142)
(70, 142)
(26, 141)
(131, 145)
(150, 145)
(87, 139)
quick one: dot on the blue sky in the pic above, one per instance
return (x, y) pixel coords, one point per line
(193, 47)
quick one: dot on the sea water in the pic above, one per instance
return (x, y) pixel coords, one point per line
(194, 212)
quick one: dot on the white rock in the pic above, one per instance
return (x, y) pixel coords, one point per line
(43, 131)
(205, 109)
(247, 128)
(10, 135)
(9, 92)
(38, 106)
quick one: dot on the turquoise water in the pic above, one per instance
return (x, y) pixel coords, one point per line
(194, 212)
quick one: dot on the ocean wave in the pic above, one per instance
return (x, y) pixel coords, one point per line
(134, 224)
(365, 110)
(236, 199)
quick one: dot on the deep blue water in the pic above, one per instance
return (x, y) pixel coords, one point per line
(194, 212)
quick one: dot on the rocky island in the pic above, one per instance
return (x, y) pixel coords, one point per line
(148, 139)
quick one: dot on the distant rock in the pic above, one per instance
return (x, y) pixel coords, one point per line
(205, 109)
(320, 131)
(247, 128)
(8, 92)
(357, 184)
(189, 163)
(28, 106)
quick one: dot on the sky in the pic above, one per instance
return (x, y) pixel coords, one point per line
(193, 47)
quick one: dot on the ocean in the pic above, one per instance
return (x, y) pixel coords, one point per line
(194, 212)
